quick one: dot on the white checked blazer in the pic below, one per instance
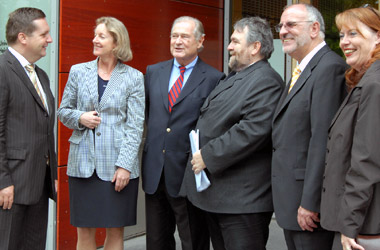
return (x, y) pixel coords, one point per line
(116, 141)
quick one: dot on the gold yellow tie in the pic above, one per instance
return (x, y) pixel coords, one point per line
(295, 75)
(33, 78)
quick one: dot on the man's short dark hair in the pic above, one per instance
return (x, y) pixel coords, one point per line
(21, 21)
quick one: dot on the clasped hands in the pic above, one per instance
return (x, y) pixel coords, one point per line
(197, 162)
(90, 119)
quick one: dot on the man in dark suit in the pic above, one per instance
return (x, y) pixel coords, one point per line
(235, 146)
(27, 114)
(300, 126)
(171, 115)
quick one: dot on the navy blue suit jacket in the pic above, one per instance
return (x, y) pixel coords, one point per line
(167, 144)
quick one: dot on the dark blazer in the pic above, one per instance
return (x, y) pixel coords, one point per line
(167, 144)
(26, 133)
(235, 128)
(351, 187)
(299, 136)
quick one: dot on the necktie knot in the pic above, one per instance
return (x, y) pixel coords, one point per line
(182, 70)
(29, 68)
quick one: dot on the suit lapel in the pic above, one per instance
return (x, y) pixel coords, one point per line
(46, 88)
(195, 79)
(112, 85)
(15, 65)
(163, 82)
(306, 73)
(230, 80)
(92, 83)
(344, 103)
(299, 84)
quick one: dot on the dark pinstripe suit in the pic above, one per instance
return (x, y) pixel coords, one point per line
(26, 142)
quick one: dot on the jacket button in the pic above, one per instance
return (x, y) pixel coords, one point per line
(163, 151)
(273, 149)
(98, 134)
(168, 130)
(323, 189)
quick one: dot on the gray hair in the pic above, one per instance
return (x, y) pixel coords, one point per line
(314, 16)
(258, 31)
(198, 31)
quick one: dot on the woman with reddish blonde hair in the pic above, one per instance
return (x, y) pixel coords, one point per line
(351, 187)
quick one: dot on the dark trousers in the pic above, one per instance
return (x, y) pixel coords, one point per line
(306, 240)
(24, 227)
(164, 213)
(239, 231)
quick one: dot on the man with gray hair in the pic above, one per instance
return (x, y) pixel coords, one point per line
(300, 127)
(235, 146)
(175, 90)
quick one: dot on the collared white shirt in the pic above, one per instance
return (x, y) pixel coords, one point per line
(23, 63)
(309, 56)
(176, 72)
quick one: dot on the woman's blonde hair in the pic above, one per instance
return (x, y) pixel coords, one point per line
(119, 32)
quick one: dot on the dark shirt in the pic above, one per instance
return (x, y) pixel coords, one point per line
(102, 84)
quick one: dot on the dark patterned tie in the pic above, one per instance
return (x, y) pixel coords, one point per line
(176, 88)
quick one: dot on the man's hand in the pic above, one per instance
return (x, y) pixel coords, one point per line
(197, 162)
(306, 219)
(349, 243)
(6, 197)
(121, 178)
(90, 119)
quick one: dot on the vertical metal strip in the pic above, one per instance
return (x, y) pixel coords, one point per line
(226, 35)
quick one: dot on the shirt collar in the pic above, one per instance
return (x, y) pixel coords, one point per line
(309, 56)
(19, 57)
(190, 65)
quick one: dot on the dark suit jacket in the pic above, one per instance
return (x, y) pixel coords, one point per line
(235, 128)
(351, 187)
(167, 144)
(299, 136)
(26, 132)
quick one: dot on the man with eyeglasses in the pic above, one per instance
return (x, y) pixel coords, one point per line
(300, 126)
(175, 90)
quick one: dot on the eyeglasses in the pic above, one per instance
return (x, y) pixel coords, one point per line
(289, 25)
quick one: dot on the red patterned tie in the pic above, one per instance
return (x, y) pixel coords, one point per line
(176, 88)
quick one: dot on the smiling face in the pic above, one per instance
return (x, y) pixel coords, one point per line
(103, 42)
(183, 43)
(357, 42)
(37, 42)
(296, 40)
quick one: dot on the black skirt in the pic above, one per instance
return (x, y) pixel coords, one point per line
(95, 203)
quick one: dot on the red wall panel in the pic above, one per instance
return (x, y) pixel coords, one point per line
(63, 132)
(148, 23)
